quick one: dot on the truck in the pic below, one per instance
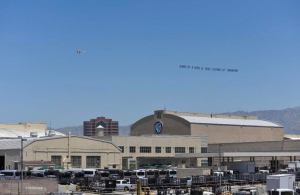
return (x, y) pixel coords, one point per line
(280, 181)
(295, 165)
(281, 192)
(242, 166)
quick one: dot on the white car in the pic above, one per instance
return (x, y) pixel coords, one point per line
(125, 185)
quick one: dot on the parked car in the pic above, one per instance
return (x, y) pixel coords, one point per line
(125, 185)
(10, 174)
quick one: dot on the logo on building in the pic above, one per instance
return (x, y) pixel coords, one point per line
(158, 126)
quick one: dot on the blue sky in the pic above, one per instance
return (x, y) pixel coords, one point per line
(133, 50)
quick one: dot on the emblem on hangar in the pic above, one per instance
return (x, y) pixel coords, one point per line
(158, 126)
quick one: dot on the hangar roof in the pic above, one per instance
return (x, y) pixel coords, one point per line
(229, 121)
(221, 119)
(12, 144)
(15, 143)
(26, 133)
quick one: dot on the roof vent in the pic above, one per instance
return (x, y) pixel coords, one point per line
(33, 134)
(51, 133)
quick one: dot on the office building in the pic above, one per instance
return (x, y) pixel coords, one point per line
(100, 126)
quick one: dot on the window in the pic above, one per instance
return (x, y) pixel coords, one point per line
(93, 162)
(157, 149)
(179, 149)
(204, 162)
(56, 160)
(203, 149)
(191, 150)
(76, 161)
(168, 149)
(122, 148)
(132, 149)
(145, 149)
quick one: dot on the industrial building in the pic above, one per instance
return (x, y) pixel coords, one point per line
(218, 128)
(105, 126)
(61, 151)
(229, 139)
(182, 139)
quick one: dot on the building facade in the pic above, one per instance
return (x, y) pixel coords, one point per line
(150, 151)
(64, 151)
(218, 128)
(100, 126)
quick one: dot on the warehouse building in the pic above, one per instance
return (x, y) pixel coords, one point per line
(228, 138)
(63, 151)
(218, 128)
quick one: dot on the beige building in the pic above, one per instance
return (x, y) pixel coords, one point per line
(140, 151)
(67, 152)
(218, 128)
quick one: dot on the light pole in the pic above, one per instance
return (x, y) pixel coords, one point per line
(22, 166)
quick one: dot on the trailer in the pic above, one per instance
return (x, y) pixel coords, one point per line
(280, 181)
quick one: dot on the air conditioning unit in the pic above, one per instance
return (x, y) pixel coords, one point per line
(51, 133)
(33, 134)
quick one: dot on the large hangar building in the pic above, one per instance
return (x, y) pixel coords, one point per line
(183, 138)
(218, 128)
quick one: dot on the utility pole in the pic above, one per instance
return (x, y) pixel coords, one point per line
(22, 159)
(22, 162)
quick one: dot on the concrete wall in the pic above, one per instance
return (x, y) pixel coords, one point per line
(43, 149)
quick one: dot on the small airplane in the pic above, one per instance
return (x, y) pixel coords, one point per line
(80, 51)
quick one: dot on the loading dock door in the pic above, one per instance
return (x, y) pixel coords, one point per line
(2, 162)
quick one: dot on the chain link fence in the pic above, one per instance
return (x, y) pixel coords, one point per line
(36, 186)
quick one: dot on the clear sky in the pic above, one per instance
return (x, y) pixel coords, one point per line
(133, 52)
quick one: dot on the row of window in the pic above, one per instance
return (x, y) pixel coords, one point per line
(76, 161)
(158, 149)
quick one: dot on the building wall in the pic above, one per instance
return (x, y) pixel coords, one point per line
(199, 144)
(43, 149)
(272, 146)
(159, 141)
(172, 125)
(236, 134)
(11, 156)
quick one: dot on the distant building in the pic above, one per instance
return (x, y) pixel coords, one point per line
(26, 130)
(100, 126)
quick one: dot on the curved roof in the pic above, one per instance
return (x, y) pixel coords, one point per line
(219, 119)
(228, 121)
